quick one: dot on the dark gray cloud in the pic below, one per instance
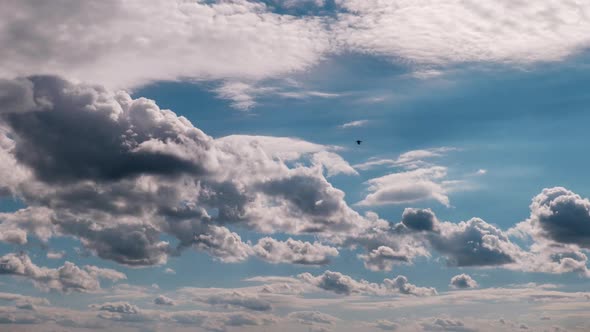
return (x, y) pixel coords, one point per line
(562, 216)
(103, 143)
(463, 281)
(419, 219)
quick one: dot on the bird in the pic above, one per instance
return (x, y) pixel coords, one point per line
(359, 142)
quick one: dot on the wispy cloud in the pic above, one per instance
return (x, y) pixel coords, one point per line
(354, 124)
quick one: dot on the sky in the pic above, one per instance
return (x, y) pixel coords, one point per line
(176, 165)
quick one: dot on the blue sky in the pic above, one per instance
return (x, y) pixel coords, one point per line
(192, 166)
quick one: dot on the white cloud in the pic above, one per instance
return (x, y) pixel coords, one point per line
(354, 124)
(451, 31)
(408, 187)
(342, 284)
(333, 163)
(294, 252)
(56, 254)
(125, 44)
(409, 160)
(66, 278)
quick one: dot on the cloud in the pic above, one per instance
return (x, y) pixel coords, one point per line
(445, 324)
(333, 163)
(293, 251)
(561, 216)
(294, 149)
(66, 278)
(161, 41)
(23, 299)
(463, 281)
(56, 254)
(409, 160)
(354, 124)
(384, 258)
(419, 219)
(385, 325)
(312, 317)
(339, 283)
(401, 284)
(241, 94)
(408, 187)
(119, 307)
(468, 243)
(474, 243)
(237, 299)
(156, 173)
(222, 244)
(499, 31)
(164, 300)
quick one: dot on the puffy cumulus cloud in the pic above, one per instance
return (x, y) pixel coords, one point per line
(36, 221)
(446, 324)
(441, 32)
(164, 300)
(562, 216)
(161, 41)
(401, 284)
(117, 173)
(66, 278)
(294, 149)
(474, 243)
(463, 281)
(223, 244)
(557, 228)
(384, 258)
(294, 251)
(237, 299)
(312, 317)
(339, 283)
(467, 243)
(419, 219)
(13, 236)
(119, 307)
(408, 187)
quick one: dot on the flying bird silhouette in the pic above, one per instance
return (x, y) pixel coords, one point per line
(359, 142)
